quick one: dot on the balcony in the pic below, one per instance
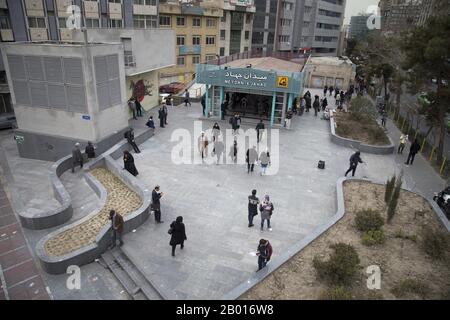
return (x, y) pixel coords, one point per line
(193, 10)
(145, 10)
(115, 10)
(185, 50)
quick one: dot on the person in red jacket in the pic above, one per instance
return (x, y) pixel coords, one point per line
(264, 253)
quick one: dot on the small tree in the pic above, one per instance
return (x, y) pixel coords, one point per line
(394, 200)
(362, 108)
(389, 188)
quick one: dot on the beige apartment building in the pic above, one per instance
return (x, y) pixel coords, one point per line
(196, 27)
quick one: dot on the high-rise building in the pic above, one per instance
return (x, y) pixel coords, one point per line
(236, 26)
(399, 15)
(134, 23)
(313, 25)
(358, 27)
(432, 8)
(264, 25)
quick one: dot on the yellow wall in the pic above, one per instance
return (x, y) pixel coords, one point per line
(189, 31)
(149, 78)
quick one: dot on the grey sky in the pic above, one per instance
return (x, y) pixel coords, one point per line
(354, 7)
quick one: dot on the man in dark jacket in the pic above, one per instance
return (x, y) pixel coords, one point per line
(316, 105)
(138, 108)
(178, 232)
(117, 227)
(354, 160)
(203, 103)
(77, 157)
(156, 205)
(129, 135)
(259, 127)
(413, 150)
(90, 150)
(308, 102)
(264, 253)
(161, 116)
(253, 203)
(251, 158)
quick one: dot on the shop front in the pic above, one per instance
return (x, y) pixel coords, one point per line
(251, 92)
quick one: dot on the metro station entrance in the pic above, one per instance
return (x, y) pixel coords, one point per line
(249, 105)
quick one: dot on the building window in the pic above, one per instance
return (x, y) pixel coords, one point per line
(287, 5)
(115, 1)
(210, 40)
(164, 21)
(286, 22)
(145, 2)
(92, 23)
(224, 17)
(196, 40)
(144, 21)
(245, 49)
(247, 35)
(181, 40)
(180, 61)
(36, 22)
(222, 34)
(4, 23)
(62, 23)
(222, 51)
(195, 59)
(308, 9)
(211, 23)
(283, 38)
(305, 24)
(181, 21)
(248, 18)
(210, 57)
(115, 23)
(196, 22)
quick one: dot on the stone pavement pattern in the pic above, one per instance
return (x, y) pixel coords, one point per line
(213, 201)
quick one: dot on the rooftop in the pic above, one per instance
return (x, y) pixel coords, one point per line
(267, 64)
(330, 60)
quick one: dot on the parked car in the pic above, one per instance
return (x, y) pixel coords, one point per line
(8, 121)
(173, 87)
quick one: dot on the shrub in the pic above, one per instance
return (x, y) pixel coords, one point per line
(343, 129)
(373, 237)
(435, 243)
(362, 108)
(335, 293)
(392, 208)
(368, 219)
(389, 188)
(411, 286)
(399, 234)
(340, 268)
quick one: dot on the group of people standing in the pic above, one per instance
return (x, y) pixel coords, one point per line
(135, 107)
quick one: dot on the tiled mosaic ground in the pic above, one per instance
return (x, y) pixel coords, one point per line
(119, 197)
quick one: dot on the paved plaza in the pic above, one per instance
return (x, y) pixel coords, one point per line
(218, 254)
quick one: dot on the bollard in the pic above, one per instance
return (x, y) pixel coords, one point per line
(432, 152)
(443, 165)
(423, 145)
(415, 136)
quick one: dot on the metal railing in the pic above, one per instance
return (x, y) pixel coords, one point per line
(257, 54)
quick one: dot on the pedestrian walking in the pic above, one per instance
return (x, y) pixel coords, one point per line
(264, 253)
(251, 158)
(150, 123)
(216, 131)
(266, 209)
(338, 102)
(264, 159)
(90, 150)
(316, 105)
(307, 101)
(234, 151)
(161, 117)
(413, 150)
(302, 105)
(128, 163)
(77, 157)
(331, 90)
(383, 119)
(156, 204)
(324, 103)
(235, 123)
(259, 130)
(203, 103)
(116, 228)
(138, 107)
(218, 150)
(325, 89)
(403, 140)
(178, 234)
(203, 142)
(223, 109)
(354, 160)
(294, 106)
(288, 119)
(253, 203)
(129, 135)
(166, 112)
(132, 106)
(186, 98)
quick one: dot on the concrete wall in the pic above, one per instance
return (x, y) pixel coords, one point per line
(329, 72)
(150, 47)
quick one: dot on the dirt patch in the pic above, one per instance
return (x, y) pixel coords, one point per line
(398, 258)
(367, 131)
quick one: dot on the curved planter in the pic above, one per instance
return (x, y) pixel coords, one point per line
(299, 246)
(349, 143)
(59, 215)
(86, 254)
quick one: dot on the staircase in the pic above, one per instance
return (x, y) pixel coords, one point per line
(134, 282)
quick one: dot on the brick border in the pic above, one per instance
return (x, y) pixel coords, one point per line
(259, 276)
(349, 143)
